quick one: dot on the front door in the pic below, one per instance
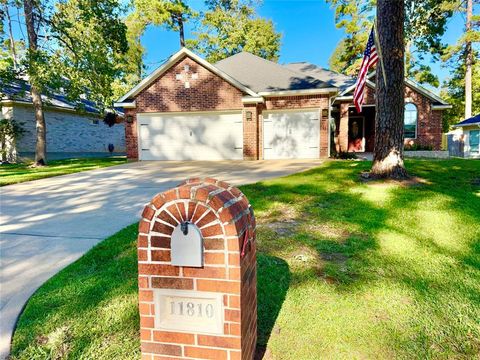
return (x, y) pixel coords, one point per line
(356, 134)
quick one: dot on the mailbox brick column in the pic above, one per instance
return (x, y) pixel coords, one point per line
(227, 224)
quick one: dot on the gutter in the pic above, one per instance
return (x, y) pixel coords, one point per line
(125, 105)
(299, 92)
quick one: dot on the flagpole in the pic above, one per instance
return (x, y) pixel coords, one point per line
(379, 51)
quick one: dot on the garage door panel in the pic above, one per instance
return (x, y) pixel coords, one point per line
(291, 135)
(192, 137)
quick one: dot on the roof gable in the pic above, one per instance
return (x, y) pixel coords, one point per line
(182, 53)
(470, 121)
(409, 82)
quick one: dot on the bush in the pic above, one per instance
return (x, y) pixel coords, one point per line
(344, 155)
(10, 132)
(418, 147)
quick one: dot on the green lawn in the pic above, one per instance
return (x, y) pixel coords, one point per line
(346, 270)
(17, 173)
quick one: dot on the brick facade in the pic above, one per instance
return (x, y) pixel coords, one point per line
(225, 219)
(429, 122)
(68, 132)
(209, 92)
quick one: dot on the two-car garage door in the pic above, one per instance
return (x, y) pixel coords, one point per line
(200, 136)
(291, 135)
(219, 136)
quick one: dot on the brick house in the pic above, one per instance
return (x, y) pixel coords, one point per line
(246, 107)
(71, 132)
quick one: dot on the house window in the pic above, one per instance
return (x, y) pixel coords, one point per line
(410, 122)
(474, 141)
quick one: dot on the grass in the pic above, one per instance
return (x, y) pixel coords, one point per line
(17, 173)
(346, 270)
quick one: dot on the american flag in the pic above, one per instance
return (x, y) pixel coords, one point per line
(370, 58)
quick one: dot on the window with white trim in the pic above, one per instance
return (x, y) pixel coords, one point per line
(474, 140)
(410, 121)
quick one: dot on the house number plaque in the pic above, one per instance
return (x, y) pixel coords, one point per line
(185, 310)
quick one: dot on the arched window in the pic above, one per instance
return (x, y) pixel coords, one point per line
(410, 122)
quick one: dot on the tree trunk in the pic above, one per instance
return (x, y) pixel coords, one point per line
(180, 29)
(10, 35)
(468, 63)
(388, 151)
(41, 145)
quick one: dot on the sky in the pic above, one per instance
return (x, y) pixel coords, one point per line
(307, 27)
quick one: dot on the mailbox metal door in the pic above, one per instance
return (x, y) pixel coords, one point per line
(187, 246)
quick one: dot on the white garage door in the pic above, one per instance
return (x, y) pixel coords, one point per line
(291, 135)
(190, 136)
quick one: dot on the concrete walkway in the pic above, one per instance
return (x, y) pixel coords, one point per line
(47, 224)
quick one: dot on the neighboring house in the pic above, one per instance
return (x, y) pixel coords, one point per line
(246, 107)
(70, 132)
(466, 138)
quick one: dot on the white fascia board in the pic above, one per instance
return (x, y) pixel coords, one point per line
(441, 107)
(253, 100)
(464, 125)
(331, 90)
(125, 105)
(340, 98)
(171, 61)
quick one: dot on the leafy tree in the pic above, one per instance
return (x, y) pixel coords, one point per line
(10, 132)
(226, 28)
(454, 93)
(73, 45)
(231, 26)
(171, 14)
(461, 55)
(424, 25)
(355, 17)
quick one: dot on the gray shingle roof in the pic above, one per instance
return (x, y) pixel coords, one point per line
(331, 77)
(262, 75)
(19, 90)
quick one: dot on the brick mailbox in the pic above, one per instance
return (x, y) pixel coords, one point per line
(197, 273)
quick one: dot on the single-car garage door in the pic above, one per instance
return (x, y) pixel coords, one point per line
(199, 136)
(291, 135)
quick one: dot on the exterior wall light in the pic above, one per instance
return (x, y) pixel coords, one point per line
(248, 115)
(129, 119)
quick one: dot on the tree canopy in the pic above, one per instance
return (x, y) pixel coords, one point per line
(225, 28)
(425, 23)
(231, 26)
(79, 44)
(454, 93)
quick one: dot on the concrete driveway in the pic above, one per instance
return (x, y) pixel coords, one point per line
(47, 224)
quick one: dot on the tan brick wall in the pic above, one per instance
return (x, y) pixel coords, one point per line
(225, 218)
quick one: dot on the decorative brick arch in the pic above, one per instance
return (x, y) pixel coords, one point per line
(227, 224)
